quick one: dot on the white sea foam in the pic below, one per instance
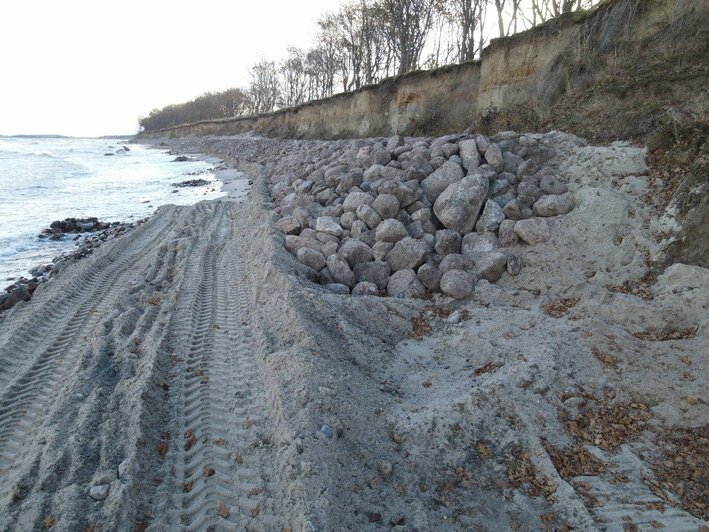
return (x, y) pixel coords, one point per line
(42, 180)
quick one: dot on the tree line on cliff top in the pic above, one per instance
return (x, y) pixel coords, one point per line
(364, 42)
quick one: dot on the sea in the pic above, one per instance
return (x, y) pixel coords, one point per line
(43, 179)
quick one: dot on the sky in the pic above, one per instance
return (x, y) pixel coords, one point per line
(90, 68)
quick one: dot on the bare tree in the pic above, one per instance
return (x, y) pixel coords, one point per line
(465, 16)
(294, 83)
(408, 24)
(264, 86)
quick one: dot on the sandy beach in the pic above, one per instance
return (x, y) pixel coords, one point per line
(189, 375)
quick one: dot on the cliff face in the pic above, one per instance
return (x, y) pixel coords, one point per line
(526, 74)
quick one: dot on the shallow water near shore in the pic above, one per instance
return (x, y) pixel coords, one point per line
(46, 179)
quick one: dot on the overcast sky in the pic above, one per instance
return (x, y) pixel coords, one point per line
(90, 67)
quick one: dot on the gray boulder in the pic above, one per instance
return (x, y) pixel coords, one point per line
(533, 231)
(390, 230)
(312, 258)
(550, 184)
(493, 156)
(340, 271)
(365, 289)
(516, 210)
(430, 277)
(288, 225)
(447, 174)
(380, 249)
(408, 253)
(469, 154)
(347, 219)
(447, 242)
(491, 266)
(376, 272)
(506, 235)
(455, 261)
(554, 205)
(459, 204)
(294, 243)
(386, 206)
(355, 252)
(355, 199)
(368, 216)
(328, 225)
(457, 284)
(491, 217)
(514, 265)
(405, 283)
(475, 245)
(337, 288)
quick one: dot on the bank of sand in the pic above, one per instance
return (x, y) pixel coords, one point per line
(188, 375)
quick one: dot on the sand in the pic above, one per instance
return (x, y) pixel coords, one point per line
(193, 355)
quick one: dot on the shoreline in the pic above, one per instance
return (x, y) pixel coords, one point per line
(205, 345)
(21, 288)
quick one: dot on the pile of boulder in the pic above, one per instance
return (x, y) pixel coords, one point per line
(408, 217)
(59, 228)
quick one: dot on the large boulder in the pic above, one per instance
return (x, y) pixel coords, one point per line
(475, 245)
(376, 272)
(533, 231)
(294, 243)
(430, 277)
(469, 154)
(491, 217)
(340, 271)
(506, 235)
(405, 283)
(368, 216)
(550, 184)
(516, 210)
(447, 174)
(390, 230)
(455, 261)
(408, 253)
(457, 284)
(365, 289)
(312, 258)
(328, 225)
(459, 204)
(355, 199)
(386, 206)
(289, 225)
(493, 156)
(447, 242)
(491, 266)
(554, 205)
(355, 252)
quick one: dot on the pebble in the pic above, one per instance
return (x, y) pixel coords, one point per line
(99, 492)
(327, 431)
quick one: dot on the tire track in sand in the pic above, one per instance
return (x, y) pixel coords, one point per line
(224, 460)
(24, 401)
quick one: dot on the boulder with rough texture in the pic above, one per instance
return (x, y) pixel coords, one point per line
(506, 235)
(493, 156)
(550, 184)
(355, 252)
(376, 272)
(312, 258)
(474, 245)
(514, 265)
(468, 150)
(491, 217)
(457, 284)
(355, 199)
(408, 253)
(447, 241)
(491, 266)
(430, 277)
(405, 283)
(390, 230)
(533, 231)
(386, 206)
(459, 204)
(328, 225)
(369, 216)
(455, 261)
(288, 225)
(294, 243)
(340, 271)
(447, 174)
(365, 289)
(380, 249)
(554, 205)
(516, 210)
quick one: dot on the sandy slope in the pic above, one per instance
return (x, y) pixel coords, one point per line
(195, 349)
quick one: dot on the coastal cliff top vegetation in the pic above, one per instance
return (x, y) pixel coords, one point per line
(363, 42)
